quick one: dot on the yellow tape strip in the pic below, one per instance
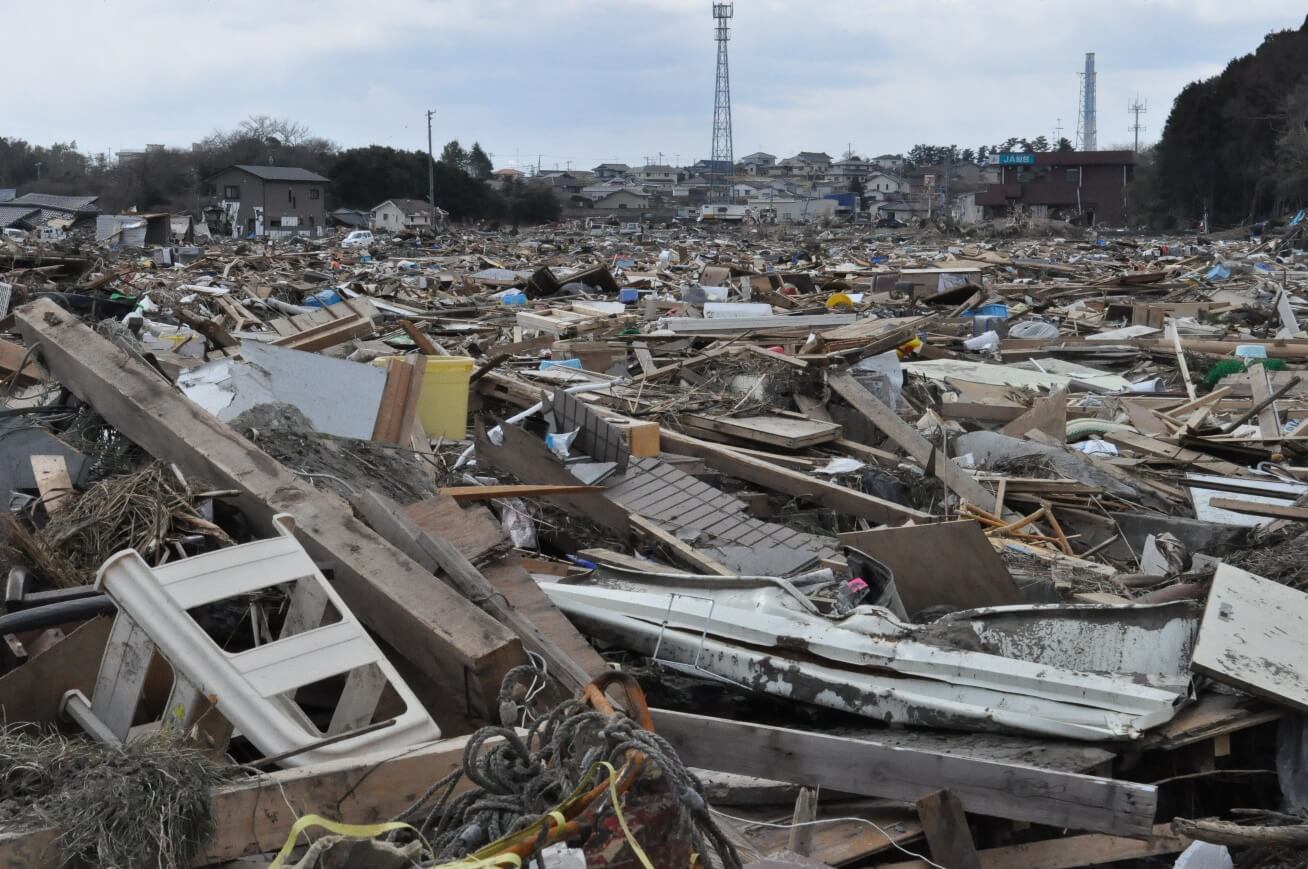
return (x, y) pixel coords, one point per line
(353, 831)
(617, 810)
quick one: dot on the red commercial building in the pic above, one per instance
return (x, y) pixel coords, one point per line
(1089, 186)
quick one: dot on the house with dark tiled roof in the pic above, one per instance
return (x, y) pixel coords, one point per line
(56, 207)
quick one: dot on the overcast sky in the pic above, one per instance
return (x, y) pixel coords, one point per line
(591, 81)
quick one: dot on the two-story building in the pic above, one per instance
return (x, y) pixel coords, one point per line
(606, 171)
(1087, 186)
(270, 200)
(664, 176)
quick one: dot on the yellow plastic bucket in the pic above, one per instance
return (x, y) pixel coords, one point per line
(443, 402)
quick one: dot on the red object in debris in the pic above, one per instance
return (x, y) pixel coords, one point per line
(777, 348)
(789, 290)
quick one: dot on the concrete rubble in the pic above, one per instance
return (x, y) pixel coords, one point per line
(986, 549)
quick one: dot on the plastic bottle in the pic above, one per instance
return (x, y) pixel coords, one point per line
(851, 594)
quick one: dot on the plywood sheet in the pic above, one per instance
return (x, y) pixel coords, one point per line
(945, 564)
(1254, 636)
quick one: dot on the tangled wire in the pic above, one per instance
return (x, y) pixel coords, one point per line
(519, 779)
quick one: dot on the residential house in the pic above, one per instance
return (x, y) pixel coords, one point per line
(884, 183)
(754, 164)
(788, 210)
(19, 217)
(68, 209)
(1086, 186)
(395, 215)
(508, 172)
(606, 171)
(662, 175)
(890, 162)
(847, 171)
(271, 200)
(622, 200)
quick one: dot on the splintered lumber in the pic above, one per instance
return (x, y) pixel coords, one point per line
(11, 356)
(51, 473)
(985, 787)
(945, 824)
(1271, 511)
(463, 494)
(254, 816)
(399, 401)
(769, 475)
(1156, 449)
(439, 556)
(1048, 415)
(683, 552)
(440, 632)
(909, 439)
(1071, 852)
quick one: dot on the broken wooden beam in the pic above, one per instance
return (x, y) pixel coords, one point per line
(436, 628)
(440, 557)
(857, 766)
(909, 439)
(1071, 851)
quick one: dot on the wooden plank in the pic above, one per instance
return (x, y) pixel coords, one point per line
(443, 634)
(908, 438)
(465, 494)
(1260, 388)
(945, 824)
(474, 531)
(439, 557)
(1070, 852)
(683, 552)
(325, 335)
(1144, 419)
(527, 458)
(1154, 448)
(1048, 414)
(1254, 636)
(948, 563)
(510, 577)
(856, 766)
(11, 356)
(253, 817)
(51, 473)
(839, 842)
(1273, 511)
(773, 430)
(796, 483)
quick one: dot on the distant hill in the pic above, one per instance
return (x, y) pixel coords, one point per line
(1237, 144)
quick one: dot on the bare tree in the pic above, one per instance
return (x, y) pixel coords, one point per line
(281, 130)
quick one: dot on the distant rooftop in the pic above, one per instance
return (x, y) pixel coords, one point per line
(282, 173)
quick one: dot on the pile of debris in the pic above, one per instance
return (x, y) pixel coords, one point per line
(928, 552)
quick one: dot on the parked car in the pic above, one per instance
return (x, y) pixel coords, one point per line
(17, 235)
(358, 238)
(890, 223)
(630, 229)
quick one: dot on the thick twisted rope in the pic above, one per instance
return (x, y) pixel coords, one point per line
(519, 779)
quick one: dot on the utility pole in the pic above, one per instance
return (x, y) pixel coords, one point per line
(431, 178)
(1058, 133)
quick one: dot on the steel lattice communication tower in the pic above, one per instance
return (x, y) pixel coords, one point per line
(722, 162)
(1086, 134)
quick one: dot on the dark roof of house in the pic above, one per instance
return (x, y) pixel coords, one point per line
(813, 156)
(410, 206)
(281, 173)
(51, 201)
(12, 214)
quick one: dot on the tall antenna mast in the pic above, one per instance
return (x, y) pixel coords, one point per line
(1137, 108)
(1086, 134)
(722, 157)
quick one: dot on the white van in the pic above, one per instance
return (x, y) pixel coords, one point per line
(358, 238)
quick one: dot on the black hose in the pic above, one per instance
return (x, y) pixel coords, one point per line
(56, 614)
